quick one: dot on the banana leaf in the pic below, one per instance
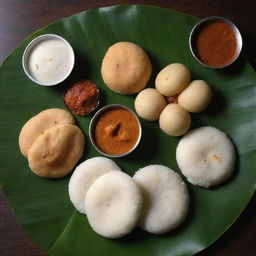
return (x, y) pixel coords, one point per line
(43, 206)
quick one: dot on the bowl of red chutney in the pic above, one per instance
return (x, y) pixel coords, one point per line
(82, 97)
(215, 42)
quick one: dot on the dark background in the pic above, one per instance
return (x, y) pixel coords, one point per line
(19, 18)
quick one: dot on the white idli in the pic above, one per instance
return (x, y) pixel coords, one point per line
(84, 176)
(113, 204)
(165, 198)
(206, 156)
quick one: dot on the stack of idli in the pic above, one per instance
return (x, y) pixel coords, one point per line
(52, 143)
(85, 175)
(156, 198)
(109, 197)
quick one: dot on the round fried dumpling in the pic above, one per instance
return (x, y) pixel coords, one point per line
(196, 97)
(165, 198)
(172, 79)
(126, 68)
(174, 120)
(84, 176)
(149, 104)
(113, 204)
(55, 152)
(206, 156)
(39, 123)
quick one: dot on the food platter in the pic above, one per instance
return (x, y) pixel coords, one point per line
(43, 207)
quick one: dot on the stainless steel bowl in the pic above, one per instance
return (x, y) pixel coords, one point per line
(203, 22)
(76, 82)
(92, 123)
(29, 49)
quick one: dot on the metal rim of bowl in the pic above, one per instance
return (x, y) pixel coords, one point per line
(216, 18)
(91, 127)
(36, 41)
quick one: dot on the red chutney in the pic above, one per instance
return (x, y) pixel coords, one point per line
(116, 131)
(172, 99)
(82, 97)
(215, 43)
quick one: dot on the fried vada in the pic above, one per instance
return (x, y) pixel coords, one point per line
(126, 68)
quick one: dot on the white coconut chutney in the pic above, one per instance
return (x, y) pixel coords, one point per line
(50, 61)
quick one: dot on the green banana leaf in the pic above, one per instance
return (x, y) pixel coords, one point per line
(42, 205)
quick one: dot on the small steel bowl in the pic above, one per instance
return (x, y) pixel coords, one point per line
(196, 28)
(94, 119)
(29, 49)
(75, 83)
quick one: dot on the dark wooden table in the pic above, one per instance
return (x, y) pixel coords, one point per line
(19, 18)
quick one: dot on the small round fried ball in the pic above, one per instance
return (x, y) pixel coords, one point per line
(126, 68)
(196, 97)
(149, 104)
(174, 120)
(172, 79)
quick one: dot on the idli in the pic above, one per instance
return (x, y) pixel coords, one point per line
(84, 176)
(149, 104)
(196, 97)
(126, 68)
(174, 120)
(165, 198)
(39, 123)
(113, 204)
(55, 152)
(172, 79)
(206, 156)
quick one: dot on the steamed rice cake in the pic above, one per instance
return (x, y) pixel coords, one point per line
(165, 198)
(206, 156)
(84, 176)
(55, 152)
(126, 68)
(39, 123)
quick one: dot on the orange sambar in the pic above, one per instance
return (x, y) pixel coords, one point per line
(116, 131)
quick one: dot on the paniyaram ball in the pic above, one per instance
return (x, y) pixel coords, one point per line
(84, 176)
(206, 156)
(165, 198)
(149, 104)
(174, 120)
(113, 204)
(172, 79)
(126, 68)
(196, 97)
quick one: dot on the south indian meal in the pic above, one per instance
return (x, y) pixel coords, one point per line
(156, 198)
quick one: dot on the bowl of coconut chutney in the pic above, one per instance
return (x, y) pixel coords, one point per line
(48, 59)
